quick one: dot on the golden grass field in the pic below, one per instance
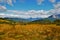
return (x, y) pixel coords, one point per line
(29, 32)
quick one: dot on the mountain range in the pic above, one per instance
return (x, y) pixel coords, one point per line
(52, 17)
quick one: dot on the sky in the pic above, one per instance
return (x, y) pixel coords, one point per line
(29, 8)
(31, 5)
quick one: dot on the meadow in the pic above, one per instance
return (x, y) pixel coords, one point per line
(32, 31)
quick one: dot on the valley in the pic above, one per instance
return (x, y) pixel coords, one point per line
(11, 30)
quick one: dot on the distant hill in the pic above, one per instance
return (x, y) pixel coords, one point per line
(54, 17)
(22, 19)
(6, 21)
(50, 19)
(41, 21)
(17, 19)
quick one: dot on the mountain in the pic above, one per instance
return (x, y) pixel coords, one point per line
(54, 17)
(33, 19)
(17, 19)
(21, 19)
(50, 19)
(57, 16)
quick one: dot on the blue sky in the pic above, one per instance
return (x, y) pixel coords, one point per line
(31, 5)
(29, 8)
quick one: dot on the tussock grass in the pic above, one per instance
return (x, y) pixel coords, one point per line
(29, 32)
(10, 30)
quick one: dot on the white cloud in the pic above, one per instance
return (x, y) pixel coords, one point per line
(53, 1)
(10, 2)
(2, 8)
(40, 1)
(56, 9)
(31, 13)
(57, 5)
(26, 14)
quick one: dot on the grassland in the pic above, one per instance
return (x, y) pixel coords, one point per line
(18, 31)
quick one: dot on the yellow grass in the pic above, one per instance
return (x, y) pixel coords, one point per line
(29, 32)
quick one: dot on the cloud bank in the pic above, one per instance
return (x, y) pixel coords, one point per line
(26, 14)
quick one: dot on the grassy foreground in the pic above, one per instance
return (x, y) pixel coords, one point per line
(29, 32)
(10, 30)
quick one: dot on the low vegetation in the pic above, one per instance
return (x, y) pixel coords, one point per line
(37, 30)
